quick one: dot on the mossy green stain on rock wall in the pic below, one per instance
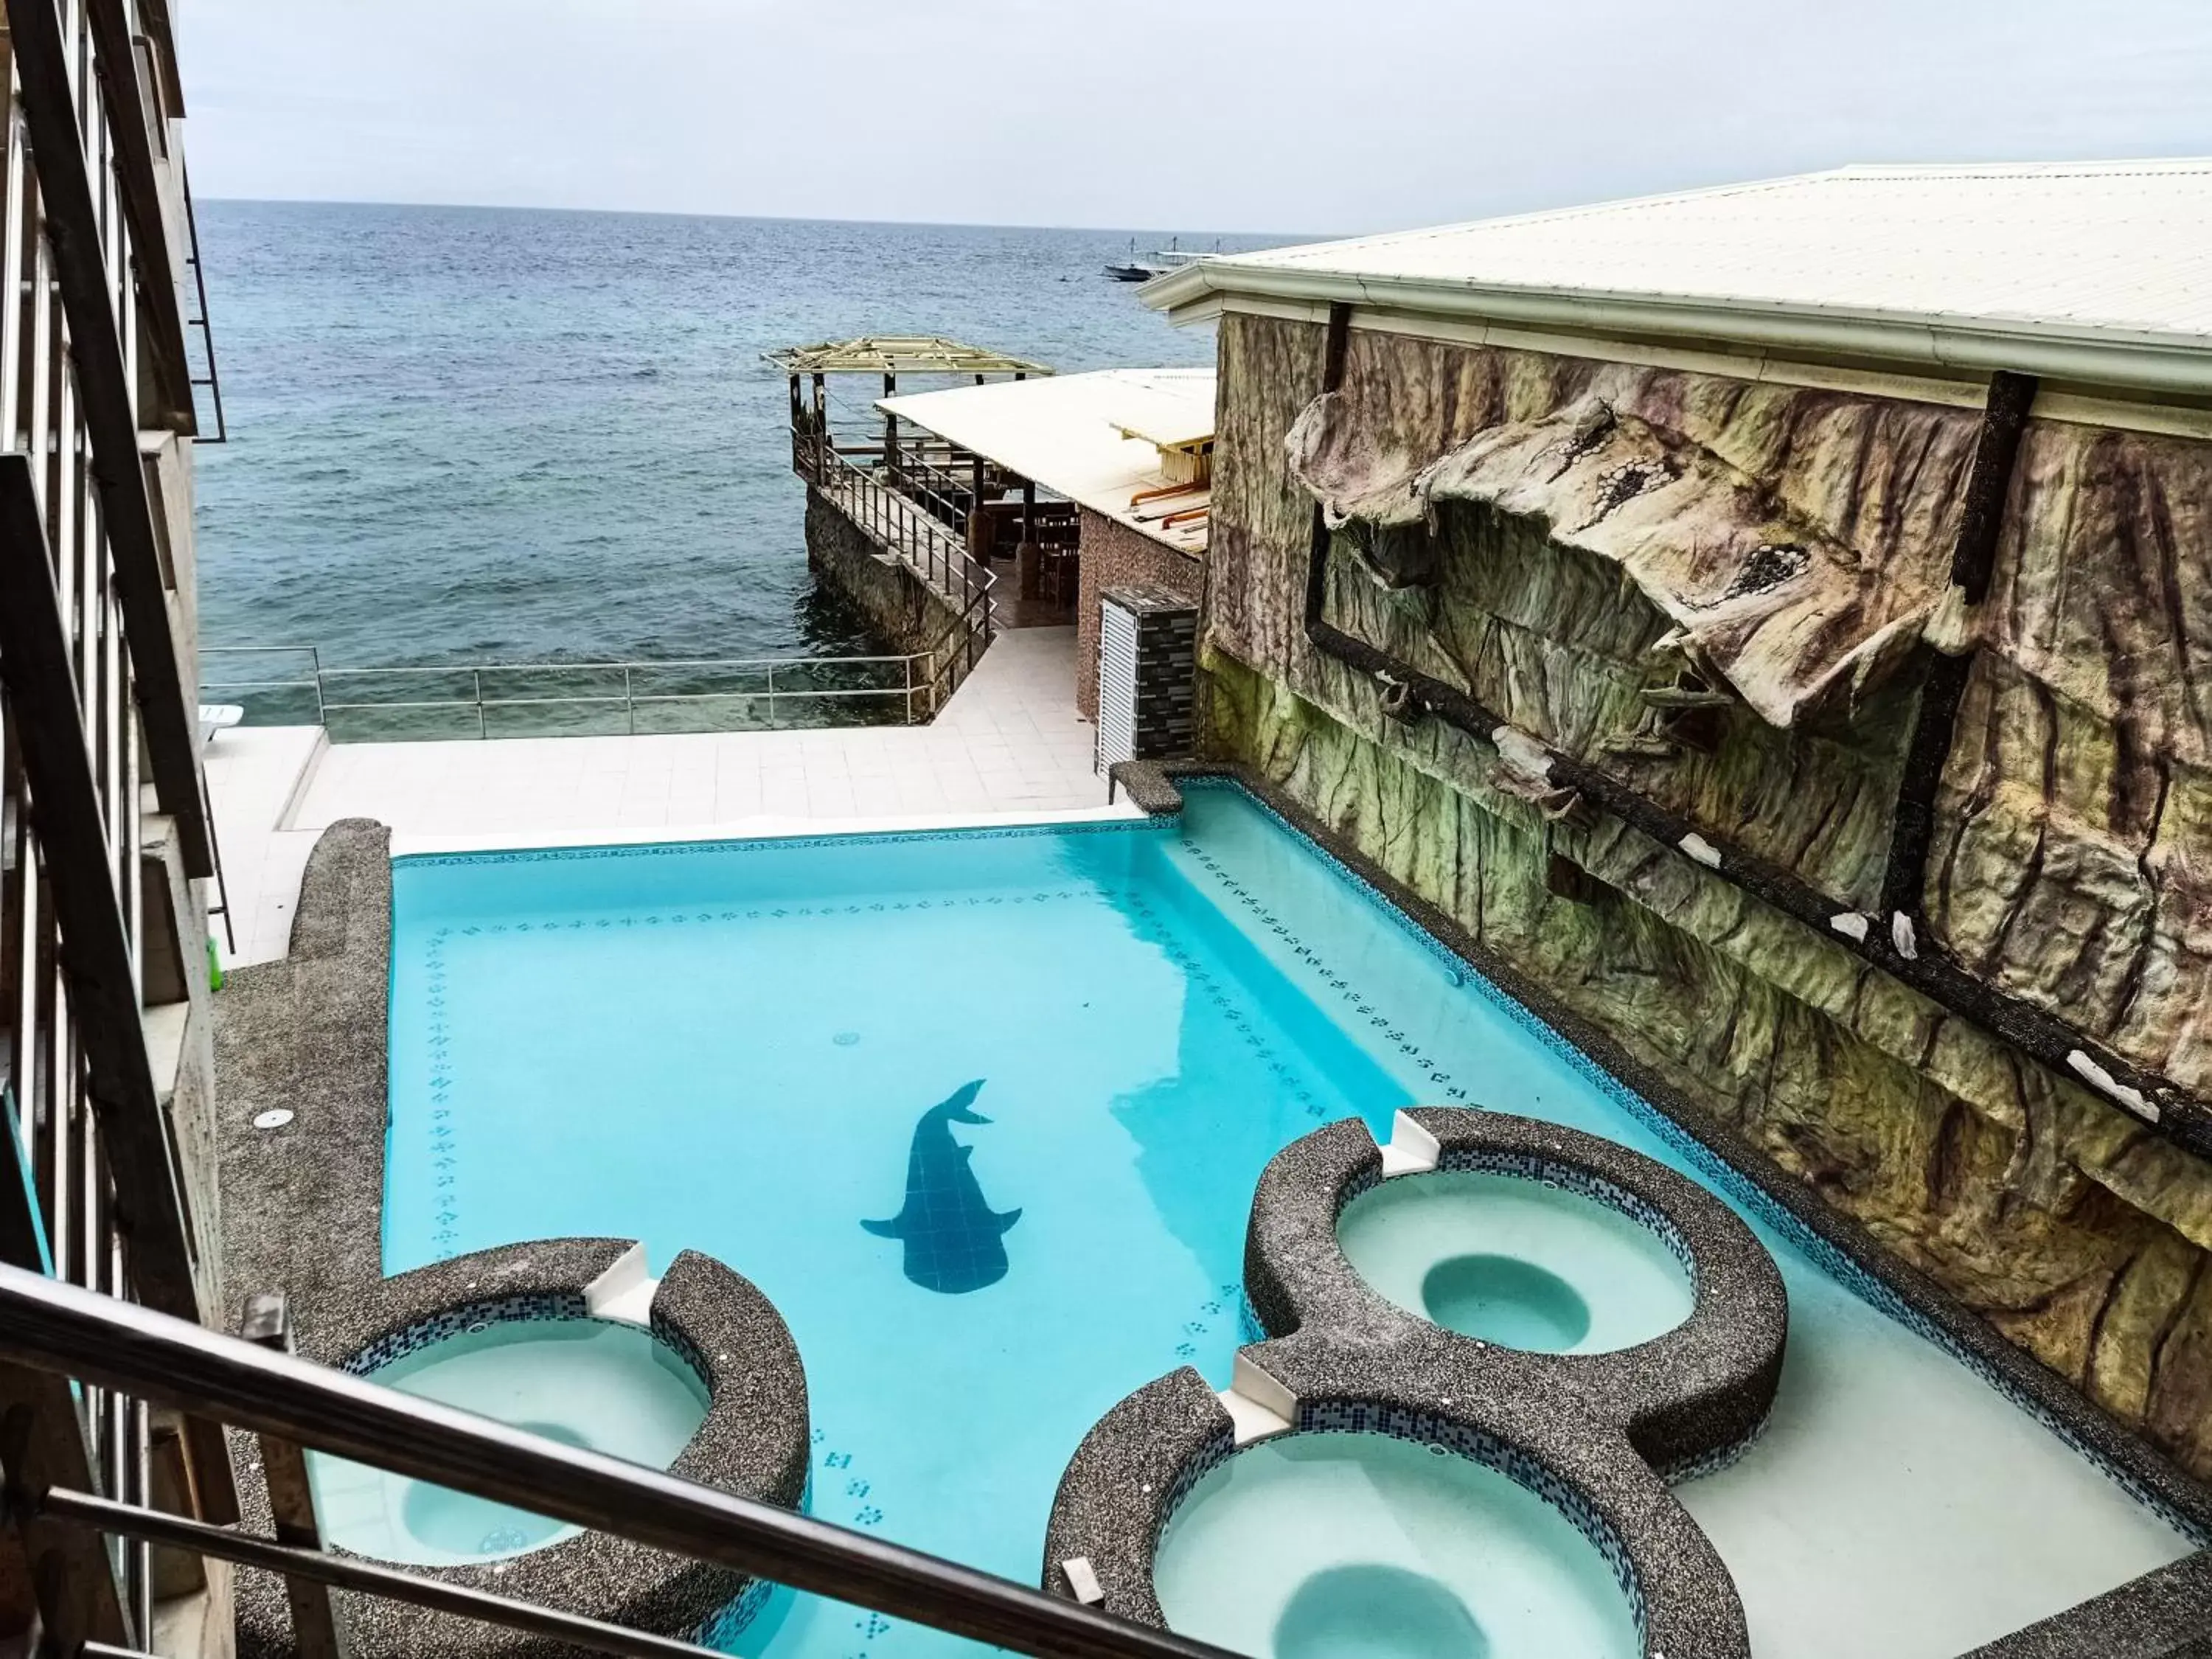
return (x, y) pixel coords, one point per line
(2077, 1230)
(1761, 1032)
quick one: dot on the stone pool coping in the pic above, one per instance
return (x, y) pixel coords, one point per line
(1140, 1461)
(309, 1033)
(304, 1216)
(753, 1441)
(1582, 1432)
(1687, 1399)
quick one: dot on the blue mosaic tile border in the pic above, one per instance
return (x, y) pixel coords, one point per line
(1448, 1085)
(465, 1319)
(1211, 1456)
(678, 1341)
(1423, 1428)
(1566, 1178)
(1716, 1171)
(445, 1164)
(1154, 823)
(722, 1627)
(1712, 1463)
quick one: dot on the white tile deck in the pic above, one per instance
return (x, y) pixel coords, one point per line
(1009, 745)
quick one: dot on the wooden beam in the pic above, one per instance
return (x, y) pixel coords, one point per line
(95, 950)
(104, 391)
(116, 61)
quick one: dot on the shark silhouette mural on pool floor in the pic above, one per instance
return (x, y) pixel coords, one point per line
(954, 1241)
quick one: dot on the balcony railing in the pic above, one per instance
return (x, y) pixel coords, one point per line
(292, 685)
(66, 1333)
(96, 707)
(908, 504)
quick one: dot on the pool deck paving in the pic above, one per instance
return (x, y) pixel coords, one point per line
(1009, 747)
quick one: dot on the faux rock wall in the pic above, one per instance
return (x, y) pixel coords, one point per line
(2063, 846)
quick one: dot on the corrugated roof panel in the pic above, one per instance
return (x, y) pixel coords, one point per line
(2094, 251)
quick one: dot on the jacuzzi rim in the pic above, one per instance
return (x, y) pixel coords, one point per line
(1137, 1467)
(1429, 1430)
(755, 1437)
(475, 1319)
(1617, 1199)
(1689, 1399)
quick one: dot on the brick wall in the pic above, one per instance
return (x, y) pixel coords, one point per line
(1115, 555)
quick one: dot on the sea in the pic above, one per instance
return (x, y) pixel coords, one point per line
(477, 434)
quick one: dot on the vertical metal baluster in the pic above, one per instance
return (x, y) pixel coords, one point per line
(141, 1575)
(477, 674)
(62, 1116)
(42, 366)
(12, 317)
(629, 707)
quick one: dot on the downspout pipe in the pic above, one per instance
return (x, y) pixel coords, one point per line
(1944, 675)
(2158, 1101)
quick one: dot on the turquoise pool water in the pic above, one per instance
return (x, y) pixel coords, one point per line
(1515, 1262)
(1360, 1547)
(765, 1051)
(605, 1387)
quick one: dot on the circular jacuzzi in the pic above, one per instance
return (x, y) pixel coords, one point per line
(574, 1341)
(1516, 1261)
(602, 1385)
(1332, 1545)
(1487, 1347)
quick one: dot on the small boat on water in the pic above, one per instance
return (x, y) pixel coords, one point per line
(1133, 269)
(1142, 268)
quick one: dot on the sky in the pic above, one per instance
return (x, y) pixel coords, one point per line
(1297, 116)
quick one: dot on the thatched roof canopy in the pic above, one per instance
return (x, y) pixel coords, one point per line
(899, 354)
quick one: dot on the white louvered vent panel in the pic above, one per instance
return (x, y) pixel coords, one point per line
(1117, 685)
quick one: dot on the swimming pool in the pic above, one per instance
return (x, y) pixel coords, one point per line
(765, 1051)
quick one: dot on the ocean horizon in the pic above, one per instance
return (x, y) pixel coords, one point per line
(494, 433)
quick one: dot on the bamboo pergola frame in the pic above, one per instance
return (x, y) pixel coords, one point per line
(899, 354)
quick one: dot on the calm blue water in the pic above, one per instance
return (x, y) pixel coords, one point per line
(466, 433)
(731, 1048)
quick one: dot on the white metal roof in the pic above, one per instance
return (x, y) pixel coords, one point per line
(2098, 271)
(1069, 433)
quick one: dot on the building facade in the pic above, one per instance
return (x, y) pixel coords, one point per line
(108, 857)
(1778, 650)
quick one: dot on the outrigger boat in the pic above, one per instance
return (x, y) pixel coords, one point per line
(1142, 268)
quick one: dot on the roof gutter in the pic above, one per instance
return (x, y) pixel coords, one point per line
(2070, 353)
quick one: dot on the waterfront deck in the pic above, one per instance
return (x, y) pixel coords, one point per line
(1008, 746)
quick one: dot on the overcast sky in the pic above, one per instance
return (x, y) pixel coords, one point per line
(1197, 115)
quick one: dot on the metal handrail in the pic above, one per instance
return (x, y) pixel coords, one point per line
(342, 1572)
(879, 502)
(918, 688)
(75, 1332)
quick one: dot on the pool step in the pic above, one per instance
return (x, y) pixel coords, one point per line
(1411, 1150)
(1258, 1405)
(625, 1292)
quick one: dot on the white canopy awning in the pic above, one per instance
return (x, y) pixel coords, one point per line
(1070, 434)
